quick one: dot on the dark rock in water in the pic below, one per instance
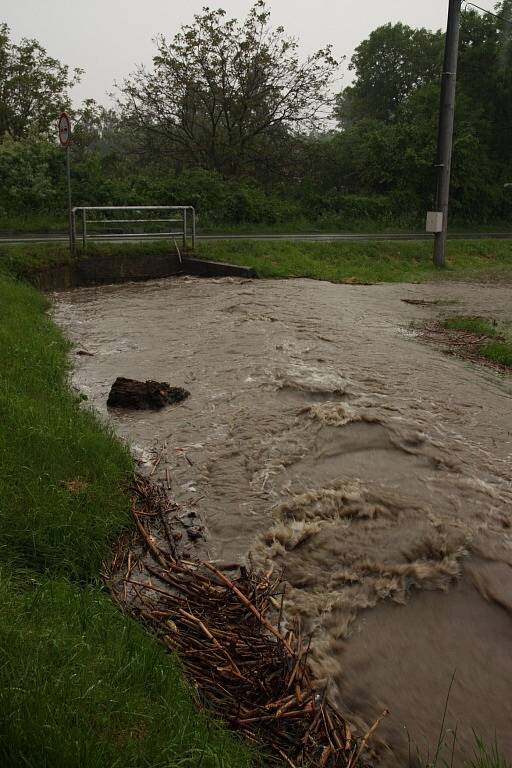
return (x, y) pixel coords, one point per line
(144, 395)
(195, 532)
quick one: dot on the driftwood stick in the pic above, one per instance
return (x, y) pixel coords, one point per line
(145, 535)
(364, 741)
(251, 607)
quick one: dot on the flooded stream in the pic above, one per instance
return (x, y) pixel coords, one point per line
(322, 438)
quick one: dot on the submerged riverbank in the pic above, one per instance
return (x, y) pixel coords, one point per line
(81, 685)
(321, 437)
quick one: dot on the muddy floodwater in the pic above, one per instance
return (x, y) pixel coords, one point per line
(323, 438)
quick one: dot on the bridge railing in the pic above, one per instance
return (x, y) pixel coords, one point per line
(118, 222)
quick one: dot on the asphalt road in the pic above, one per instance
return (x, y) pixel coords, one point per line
(314, 237)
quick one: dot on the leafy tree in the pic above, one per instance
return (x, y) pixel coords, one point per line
(485, 75)
(391, 64)
(389, 116)
(28, 182)
(234, 99)
(222, 92)
(33, 87)
(100, 130)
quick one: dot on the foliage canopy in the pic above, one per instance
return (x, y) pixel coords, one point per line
(221, 92)
(33, 87)
(232, 119)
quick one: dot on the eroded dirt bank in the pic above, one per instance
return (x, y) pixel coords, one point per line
(321, 437)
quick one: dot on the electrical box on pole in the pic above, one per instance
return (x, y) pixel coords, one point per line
(446, 123)
(434, 222)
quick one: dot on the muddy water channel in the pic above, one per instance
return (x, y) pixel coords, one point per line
(323, 438)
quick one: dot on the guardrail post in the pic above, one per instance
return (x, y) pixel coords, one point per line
(185, 211)
(73, 231)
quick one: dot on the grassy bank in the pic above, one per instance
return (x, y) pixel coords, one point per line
(80, 684)
(366, 262)
(369, 262)
(24, 259)
(498, 348)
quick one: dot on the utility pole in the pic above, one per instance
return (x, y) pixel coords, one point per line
(446, 121)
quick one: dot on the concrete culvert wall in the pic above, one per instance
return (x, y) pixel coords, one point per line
(120, 268)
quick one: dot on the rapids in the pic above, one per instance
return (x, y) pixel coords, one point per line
(322, 438)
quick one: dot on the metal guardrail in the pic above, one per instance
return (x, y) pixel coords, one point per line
(81, 220)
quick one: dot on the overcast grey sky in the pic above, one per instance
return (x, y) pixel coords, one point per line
(108, 38)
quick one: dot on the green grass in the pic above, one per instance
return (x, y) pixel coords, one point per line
(22, 260)
(81, 685)
(384, 261)
(488, 757)
(485, 756)
(499, 348)
(368, 262)
(45, 442)
(499, 352)
(478, 325)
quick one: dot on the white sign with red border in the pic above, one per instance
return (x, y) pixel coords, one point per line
(64, 130)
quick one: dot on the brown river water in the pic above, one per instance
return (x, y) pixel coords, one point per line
(323, 438)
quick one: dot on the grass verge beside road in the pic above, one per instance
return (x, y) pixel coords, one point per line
(81, 685)
(369, 262)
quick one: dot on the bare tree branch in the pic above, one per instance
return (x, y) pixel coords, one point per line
(221, 85)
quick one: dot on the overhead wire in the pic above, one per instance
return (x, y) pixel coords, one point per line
(490, 13)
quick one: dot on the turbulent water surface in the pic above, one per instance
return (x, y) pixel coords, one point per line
(321, 437)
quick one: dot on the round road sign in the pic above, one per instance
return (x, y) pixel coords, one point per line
(64, 130)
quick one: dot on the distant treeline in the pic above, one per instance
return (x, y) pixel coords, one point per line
(229, 118)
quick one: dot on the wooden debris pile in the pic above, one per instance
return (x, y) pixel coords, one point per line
(252, 672)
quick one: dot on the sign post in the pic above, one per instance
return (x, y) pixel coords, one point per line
(65, 141)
